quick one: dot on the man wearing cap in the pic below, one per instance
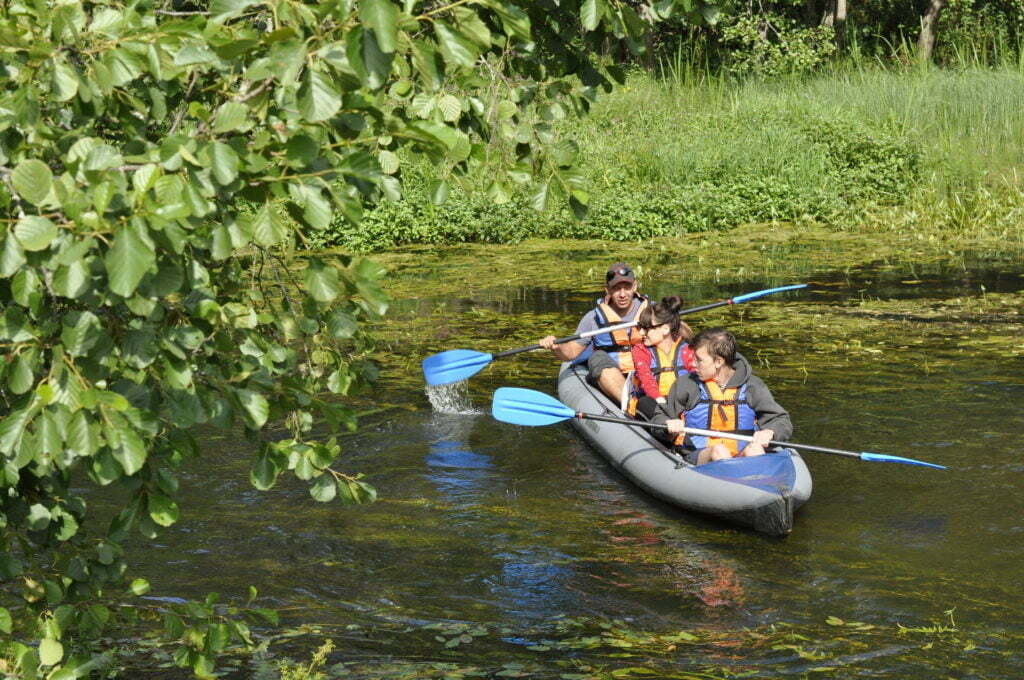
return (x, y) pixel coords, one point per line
(608, 354)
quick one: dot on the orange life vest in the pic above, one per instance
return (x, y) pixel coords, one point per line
(666, 368)
(723, 410)
(617, 343)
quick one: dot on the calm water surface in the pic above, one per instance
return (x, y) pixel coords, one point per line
(514, 529)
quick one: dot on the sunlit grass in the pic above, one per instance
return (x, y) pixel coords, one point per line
(968, 123)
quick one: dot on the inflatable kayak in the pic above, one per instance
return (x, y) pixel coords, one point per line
(760, 492)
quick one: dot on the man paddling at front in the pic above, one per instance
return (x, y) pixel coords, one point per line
(723, 395)
(607, 354)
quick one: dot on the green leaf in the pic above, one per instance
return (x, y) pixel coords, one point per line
(19, 377)
(438, 191)
(539, 200)
(382, 17)
(473, 27)
(267, 228)
(376, 62)
(50, 652)
(131, 453)
(264, 473)
(354, 492)
(65, 81)
(319, 99)
(450, 107)
(105, 553)
(5, 621)
(81, 332)
(428, 64)
(341, 325)
(35, 233)
(388, 161)
(12, 427)
(230, 117)
(217, 638)
(128, 260)
(591, 13)
(322, 281)
(32, 180)
(139, 586)
(11, 257)
(102, 157)
(324, 489)
(222, 10)
(455, 47)
(255, 406)
(225, 163)
(317, 212)
(162, 509)
(38, 517)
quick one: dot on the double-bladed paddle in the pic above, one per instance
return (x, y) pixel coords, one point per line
(528, 407)
(459, 364)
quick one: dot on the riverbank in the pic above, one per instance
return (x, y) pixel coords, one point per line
(858, 149)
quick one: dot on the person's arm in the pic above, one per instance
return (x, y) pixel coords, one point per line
(772, 420)
(568, 351)
(642, 366)
(689, 363)
(679, 400)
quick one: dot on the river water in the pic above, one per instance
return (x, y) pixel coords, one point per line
(501, 551)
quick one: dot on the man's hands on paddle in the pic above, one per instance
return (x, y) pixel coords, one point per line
(547, 342)
(567, 351)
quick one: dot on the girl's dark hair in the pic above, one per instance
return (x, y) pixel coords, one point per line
(666, 311)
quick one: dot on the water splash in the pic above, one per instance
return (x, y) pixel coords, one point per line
(451, 398)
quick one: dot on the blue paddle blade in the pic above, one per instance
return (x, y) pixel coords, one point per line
(882, 458)
(769, 291)
(528, 407)
(453, 366)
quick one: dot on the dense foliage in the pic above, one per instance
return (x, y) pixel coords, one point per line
(716, 172)
(158, 163)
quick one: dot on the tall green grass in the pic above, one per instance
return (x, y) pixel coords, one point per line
(967, 124)
(857, 145)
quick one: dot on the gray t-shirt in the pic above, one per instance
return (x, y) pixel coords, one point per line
(589, 321)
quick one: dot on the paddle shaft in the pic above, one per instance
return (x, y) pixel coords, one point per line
(712, 433)
(559, 341)
(609, 329)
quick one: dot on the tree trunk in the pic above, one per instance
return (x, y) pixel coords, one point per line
(929, 28)
(835, 18)
(840, 24)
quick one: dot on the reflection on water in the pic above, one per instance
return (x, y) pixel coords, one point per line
(529, 583)
(462, 476)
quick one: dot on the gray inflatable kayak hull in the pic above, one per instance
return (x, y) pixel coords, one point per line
(760, 492)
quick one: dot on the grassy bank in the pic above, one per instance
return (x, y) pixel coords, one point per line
(857, 148)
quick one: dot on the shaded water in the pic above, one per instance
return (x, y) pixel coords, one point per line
(517, 550)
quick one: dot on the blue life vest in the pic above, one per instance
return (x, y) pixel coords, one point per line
(618, 344)
(722, 410)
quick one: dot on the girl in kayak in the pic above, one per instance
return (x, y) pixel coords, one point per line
(663, 355)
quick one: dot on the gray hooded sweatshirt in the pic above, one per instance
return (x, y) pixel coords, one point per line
(685, 394)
